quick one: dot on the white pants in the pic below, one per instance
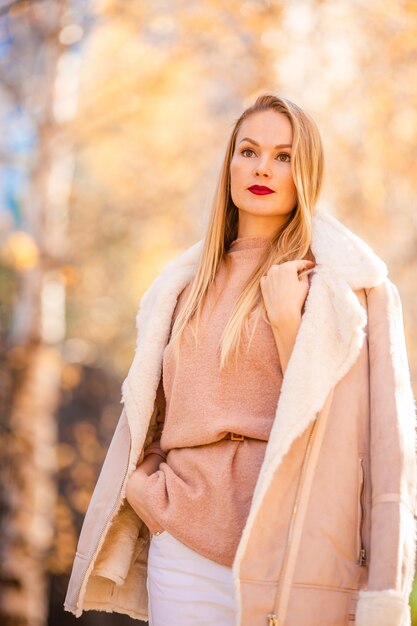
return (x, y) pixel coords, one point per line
(185, 588)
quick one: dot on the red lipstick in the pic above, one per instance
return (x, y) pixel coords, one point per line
(260, 190)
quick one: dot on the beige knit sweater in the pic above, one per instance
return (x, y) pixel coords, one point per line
(202, 493)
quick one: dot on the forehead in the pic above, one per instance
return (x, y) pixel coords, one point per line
(266, 127)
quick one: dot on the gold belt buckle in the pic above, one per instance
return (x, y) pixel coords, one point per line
(235, 437)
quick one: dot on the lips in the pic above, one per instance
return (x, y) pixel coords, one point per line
(260, 190)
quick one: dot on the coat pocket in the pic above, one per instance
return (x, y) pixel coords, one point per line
(361, 551)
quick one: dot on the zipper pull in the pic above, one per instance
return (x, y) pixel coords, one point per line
(272, 619)
(362, 558)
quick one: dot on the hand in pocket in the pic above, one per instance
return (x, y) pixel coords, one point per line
(133, 496)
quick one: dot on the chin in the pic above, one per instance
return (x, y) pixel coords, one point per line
(263, 210)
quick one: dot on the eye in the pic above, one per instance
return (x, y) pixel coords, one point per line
(284, 154)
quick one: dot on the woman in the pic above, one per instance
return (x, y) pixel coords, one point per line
(263, 470)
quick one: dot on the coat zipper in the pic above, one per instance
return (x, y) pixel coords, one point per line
(362, 551)
(273, 617)
(108, 518)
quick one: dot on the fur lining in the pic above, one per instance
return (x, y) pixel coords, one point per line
(123, 533)
(382, 608)
(344, 253)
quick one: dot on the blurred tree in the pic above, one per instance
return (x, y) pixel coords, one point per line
(28, 465)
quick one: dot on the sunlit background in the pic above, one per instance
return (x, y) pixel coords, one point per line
(114, 118)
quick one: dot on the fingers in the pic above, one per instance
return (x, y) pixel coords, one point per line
(302, 278)
(303, 263)
(305, 272)
(308, 261)
(302, 267)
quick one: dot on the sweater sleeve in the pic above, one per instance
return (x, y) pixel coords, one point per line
(392, 466)
(155, 446)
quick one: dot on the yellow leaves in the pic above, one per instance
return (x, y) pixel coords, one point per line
(65, 539)
(71, 374)
(404, 124)
(65, 455)
(20, 251)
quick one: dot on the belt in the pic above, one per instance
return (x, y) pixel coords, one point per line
(236, 436)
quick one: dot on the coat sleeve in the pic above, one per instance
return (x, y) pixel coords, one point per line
(393, 470)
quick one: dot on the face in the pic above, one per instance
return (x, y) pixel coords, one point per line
(262, 157)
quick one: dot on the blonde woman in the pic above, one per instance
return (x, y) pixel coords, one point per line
(263, 470)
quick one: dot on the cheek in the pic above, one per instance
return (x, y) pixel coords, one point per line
(233, 168)
(288, 182)
(235, 173)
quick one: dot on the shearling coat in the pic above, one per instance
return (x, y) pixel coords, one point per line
(356, 532)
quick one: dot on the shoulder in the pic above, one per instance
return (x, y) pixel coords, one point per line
(385, 309)
(384, 292)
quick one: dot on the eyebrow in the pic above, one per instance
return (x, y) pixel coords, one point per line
(280, 145)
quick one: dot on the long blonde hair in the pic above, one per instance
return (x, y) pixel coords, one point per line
(291, 241)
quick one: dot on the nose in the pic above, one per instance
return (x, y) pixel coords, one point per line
(262, 169)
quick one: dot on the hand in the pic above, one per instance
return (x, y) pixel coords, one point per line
(133, 489)
(284, 290)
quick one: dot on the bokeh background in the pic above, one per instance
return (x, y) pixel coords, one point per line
(114, 118)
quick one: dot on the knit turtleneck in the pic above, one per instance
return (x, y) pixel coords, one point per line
(249, 242)
(206, 476)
